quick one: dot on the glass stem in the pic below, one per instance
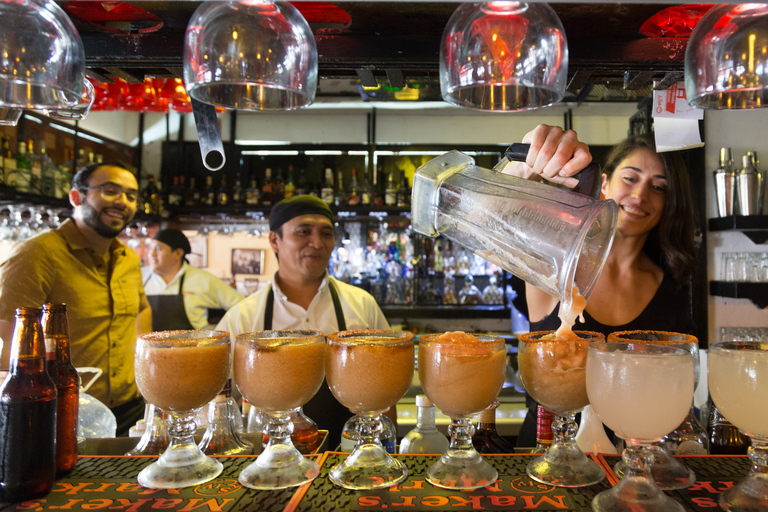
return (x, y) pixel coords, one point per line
(639, 460)
(183, 450)
(369, 429)
(279, 428)
(461, 431)
(564, 428)
(758, 455)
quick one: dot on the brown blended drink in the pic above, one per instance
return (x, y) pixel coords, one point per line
(369, 373)
(461, 373)
(180, 374)
(280, 373)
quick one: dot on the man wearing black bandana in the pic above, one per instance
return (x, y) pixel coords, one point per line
(302, 294)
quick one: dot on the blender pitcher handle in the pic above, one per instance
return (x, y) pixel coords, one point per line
(589, 177)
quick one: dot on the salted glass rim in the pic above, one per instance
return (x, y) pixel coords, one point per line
(738, 346)
(373, 335)
(186, 337)
(622, 336)
(536, 337)
(288, 334)
(484, 338)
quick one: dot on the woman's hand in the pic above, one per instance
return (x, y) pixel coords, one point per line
(555, 155)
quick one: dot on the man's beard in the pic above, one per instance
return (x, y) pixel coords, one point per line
(92, 219)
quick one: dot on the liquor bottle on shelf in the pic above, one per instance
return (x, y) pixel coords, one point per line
(50, 176)
(222, 194)
(290, 186)
(65, 377)
(301, 184)
(388, 435)
(378, 192)
(305, 436)
(81, 160)
(238, 193)
(353, 192)
(252, 194)
(544, 434)
(486, 439)
(366, 196)
(425, 438)
(35, 168)
(267, 199)
(27, 415)
(208, 195)
(9, 162)
(175, 192)
(339, 196)
(20, 177)
(150, 198)
(191, 194)
(404, 193)
(221, 435)
(724, 438)
(278, 186)
(326, 193)
(390, 193)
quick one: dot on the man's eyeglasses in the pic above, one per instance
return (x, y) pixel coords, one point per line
(111, 190)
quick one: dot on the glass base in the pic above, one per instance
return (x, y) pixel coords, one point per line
(749, 495)
(278, 467)
(461, 469)
(632, 494)
(668, 473)
(369, 466)
(180, 468)
(565, 465)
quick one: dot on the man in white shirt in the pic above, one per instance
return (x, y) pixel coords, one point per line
(302, 295)
(180, 294)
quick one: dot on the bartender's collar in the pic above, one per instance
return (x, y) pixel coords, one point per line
(176, 277)
(278, 292)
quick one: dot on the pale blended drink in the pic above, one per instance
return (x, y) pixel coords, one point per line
(278, 374)
(369, 373)
(624, 389)
(461, 374)
(738, 383)
(180, 374)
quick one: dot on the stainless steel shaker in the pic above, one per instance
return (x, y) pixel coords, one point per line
(750, 186)
(725, 183)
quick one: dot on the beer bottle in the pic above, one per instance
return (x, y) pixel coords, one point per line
(486, 439)
(64, 375)
(27, 415)
(544, 434)
(724, 438)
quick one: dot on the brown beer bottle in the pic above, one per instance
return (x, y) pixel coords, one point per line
(724, 438)
(27, 415)
(64, 375)
(544, 434)
(486, 439)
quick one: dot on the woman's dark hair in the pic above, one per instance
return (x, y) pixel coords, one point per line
(80, 181)
(671, 243)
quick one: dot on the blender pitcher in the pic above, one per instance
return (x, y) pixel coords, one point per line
(555, 239)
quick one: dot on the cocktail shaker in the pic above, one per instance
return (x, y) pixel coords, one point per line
(725, 183)
(750, 185)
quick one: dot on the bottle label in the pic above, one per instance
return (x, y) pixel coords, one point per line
(718, 420)
(51, 346)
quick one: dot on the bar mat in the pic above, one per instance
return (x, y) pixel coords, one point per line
(513, 491)
(110, 483)
(714, 474)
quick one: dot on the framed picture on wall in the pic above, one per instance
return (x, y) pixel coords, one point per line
(199, 255)
(247, 261)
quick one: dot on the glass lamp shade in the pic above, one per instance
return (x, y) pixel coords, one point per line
(503, 56)
(250, 55)
(42, 59)
(726, 59)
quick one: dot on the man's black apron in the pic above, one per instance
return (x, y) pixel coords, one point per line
(168, 313)
(327, 412)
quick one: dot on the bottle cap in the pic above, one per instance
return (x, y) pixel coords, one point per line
(423, 401)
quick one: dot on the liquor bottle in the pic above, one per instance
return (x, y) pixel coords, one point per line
(208, 195)
(290, 187)
(388, 435)
(20, 179)
(390, 193)
(326, 193)
(191, 194)
(403, 193)
(485, 438)
(222, 194)
(724, 438)
(301, 185)
(266, 188)
(252, 194)
(305, 436)
(221, 436)
(353, 192)
(425, 438)
(339, 196)
(81, 160)
(278, 186)
(65, 377)
(49, 174)
(175, 192)
(66, 171)
(9, 162)
(366, 196)
(35, 168)
(238, 193)
(378, 192)
(27, 415)
(544, 434)
(150, 197)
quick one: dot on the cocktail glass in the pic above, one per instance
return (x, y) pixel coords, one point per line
(461, 374)
(278, 371)
(641, 391)
(738, 380)
(180, 371)
(668, 473)
(368, 372)
(553, 372)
